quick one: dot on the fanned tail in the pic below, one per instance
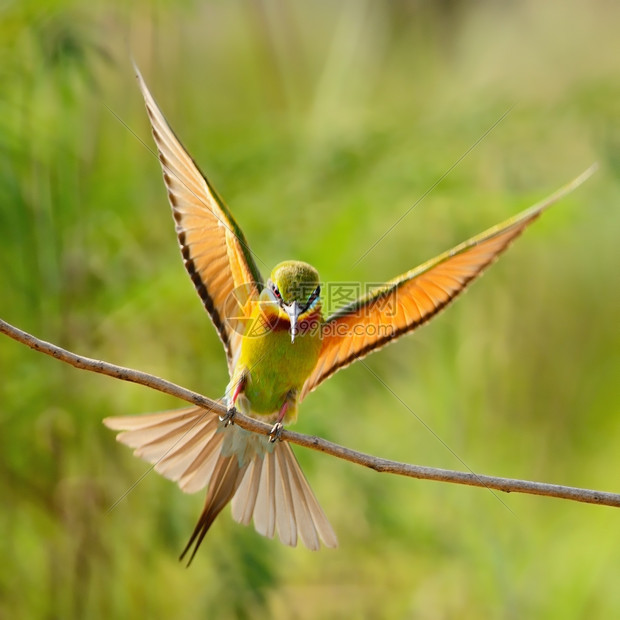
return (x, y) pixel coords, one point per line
(182, 444)
(275, 492)
(264, 480)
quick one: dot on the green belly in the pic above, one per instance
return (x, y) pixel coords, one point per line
(275, 366)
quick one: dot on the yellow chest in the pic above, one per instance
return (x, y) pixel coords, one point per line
(274, 367)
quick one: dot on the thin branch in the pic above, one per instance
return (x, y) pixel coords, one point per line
(315, 443)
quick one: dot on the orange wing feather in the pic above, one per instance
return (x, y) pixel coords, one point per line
(215, 252)
(416, 296)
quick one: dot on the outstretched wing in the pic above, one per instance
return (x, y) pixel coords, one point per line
(416, 296)
(215, 252)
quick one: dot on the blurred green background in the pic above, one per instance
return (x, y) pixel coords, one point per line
(321, 123)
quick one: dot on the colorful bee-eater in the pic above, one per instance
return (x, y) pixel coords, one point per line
(274, 367)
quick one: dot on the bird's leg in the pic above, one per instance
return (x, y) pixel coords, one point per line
(276, 431)
(231, 411)
(227, 418)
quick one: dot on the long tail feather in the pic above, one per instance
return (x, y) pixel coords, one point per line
(224, 482)
(265, 510)
(245, 498)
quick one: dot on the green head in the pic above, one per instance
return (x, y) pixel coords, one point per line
(295, 287)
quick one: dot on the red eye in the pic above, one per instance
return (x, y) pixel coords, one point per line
(276, 292)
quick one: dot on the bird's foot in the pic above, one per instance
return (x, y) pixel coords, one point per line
(229, 416)
(276, 432)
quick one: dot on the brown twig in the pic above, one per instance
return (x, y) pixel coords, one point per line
(315, 443)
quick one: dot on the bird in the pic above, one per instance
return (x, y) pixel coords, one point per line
(279, 347)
